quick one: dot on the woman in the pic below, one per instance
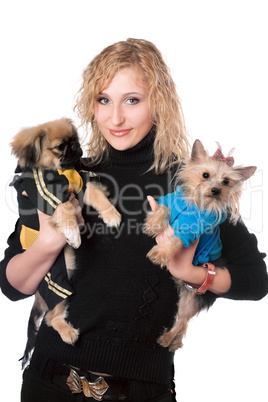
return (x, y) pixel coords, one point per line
(120, 303)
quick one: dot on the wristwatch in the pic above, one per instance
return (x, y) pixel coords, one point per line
(211, 272)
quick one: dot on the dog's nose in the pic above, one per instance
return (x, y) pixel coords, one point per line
(215, 191)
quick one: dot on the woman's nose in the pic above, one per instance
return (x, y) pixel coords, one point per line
(117, 116)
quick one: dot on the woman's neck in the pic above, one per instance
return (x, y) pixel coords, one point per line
(140, 154)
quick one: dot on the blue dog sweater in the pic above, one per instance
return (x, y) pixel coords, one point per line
(189, 222)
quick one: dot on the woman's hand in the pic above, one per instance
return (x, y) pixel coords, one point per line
(48, 236)
(26, 270)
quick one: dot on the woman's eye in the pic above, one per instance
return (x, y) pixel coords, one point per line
(206, 175)
(132, 101)
(103, 101)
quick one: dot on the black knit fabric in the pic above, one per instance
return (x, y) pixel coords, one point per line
(122, 301)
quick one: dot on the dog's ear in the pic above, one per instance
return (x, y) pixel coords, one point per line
(246, 172)
(35, 149)
(27, 145)
(198, 152)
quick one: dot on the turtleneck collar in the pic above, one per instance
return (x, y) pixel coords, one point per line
(140, 154)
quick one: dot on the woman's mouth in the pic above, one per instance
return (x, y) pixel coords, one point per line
(119, 133)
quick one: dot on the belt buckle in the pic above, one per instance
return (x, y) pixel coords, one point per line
(79, 384)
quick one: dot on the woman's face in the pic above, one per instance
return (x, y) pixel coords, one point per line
(122, 112)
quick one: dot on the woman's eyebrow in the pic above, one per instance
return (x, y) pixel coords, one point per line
(125, 94)
(133, 93)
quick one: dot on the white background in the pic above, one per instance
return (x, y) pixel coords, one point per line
(217, 53)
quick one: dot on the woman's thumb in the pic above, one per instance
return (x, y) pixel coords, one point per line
(152, 202)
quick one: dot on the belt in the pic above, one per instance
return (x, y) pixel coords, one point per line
(100, 388)
(97, 387)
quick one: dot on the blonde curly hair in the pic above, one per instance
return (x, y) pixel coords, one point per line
(171, 141)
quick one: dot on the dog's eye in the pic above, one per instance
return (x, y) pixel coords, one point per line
(59, 147)
(206, 175)
(225, 182)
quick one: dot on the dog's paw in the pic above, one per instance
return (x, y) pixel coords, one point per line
(153, 227)
(175, 345)
(111, 217)
(150, 227)
(158, 256)
(167, 340)
(162, 253)
(69, 334)
(156, 221)
(73, 237)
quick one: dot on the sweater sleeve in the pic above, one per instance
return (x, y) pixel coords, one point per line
(14, 248)
(244, 262)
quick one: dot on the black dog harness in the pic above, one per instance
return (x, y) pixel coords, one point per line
(46, 190)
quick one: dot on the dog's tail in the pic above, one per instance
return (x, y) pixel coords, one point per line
(37, 313)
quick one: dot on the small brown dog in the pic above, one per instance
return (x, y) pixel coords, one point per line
(208, 190)
(54, 146)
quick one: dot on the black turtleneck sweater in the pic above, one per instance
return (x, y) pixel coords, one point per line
(122, 301)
